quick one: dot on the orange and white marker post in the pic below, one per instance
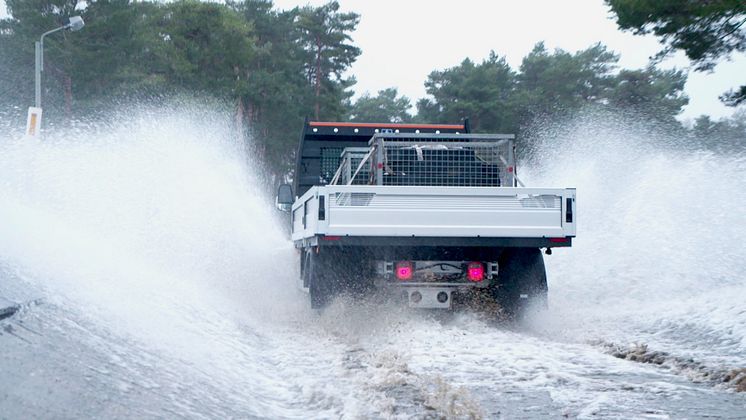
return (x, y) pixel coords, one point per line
(33, 122)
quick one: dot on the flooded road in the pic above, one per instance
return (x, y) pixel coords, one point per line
(154, 280)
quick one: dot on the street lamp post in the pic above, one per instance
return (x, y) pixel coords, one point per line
(33, 121)
(74, 24)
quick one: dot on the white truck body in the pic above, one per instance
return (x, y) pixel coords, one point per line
(428, 211)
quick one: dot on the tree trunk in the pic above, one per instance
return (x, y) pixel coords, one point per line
(238, 115)
(318, 77)
(68, 85)
(250, 113)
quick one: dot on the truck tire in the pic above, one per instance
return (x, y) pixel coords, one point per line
(521, 282)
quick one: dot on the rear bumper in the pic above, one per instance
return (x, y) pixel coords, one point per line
(426, 296)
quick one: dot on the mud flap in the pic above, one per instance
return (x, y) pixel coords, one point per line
(522, 282)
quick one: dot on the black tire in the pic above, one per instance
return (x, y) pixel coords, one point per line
(521, 282)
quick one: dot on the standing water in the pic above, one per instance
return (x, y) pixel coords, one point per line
(154, 281)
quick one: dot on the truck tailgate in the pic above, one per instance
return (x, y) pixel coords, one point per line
(435, 211)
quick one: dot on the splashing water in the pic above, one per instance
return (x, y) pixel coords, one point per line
(169, 287)
(658, 254)
(156, 227)
(163, 205)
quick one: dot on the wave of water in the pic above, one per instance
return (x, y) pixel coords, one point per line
(658, 256)
(155, 227)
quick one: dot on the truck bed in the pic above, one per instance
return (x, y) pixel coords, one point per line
(438, 212)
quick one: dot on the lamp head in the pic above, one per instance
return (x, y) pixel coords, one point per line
(76, 23)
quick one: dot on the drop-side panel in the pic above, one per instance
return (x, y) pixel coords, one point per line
(442, 211)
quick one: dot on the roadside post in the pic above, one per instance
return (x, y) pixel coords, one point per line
(33, 122)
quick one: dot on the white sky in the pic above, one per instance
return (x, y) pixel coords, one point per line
(403, 41)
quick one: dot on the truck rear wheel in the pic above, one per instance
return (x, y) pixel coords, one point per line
(521, 282)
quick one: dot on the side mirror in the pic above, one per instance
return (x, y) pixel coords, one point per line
(284, 199)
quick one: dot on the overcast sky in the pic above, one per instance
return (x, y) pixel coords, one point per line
(403, 41)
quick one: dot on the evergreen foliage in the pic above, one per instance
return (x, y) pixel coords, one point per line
(727, 135)
(705, 30)
(483, 92)
(325, 36)
(549, 85)
(387, 106)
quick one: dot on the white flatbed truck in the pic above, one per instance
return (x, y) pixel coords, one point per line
(429, 212)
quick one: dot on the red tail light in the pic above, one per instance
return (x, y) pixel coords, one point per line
(475, 271)
(404, 270)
